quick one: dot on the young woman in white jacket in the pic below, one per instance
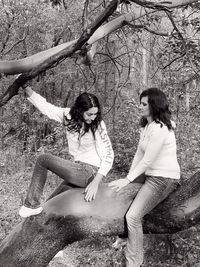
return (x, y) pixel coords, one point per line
(156, 158)
(88, 144)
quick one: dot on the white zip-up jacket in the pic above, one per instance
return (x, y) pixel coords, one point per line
(97, 152)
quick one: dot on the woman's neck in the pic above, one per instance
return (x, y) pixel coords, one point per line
(149, 120)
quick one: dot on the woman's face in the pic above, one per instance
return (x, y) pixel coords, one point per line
(144, 107)
(90, 115)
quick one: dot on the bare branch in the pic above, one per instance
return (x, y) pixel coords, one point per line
(101, 4)
(117, 57)
(189, 80)
(195, 69)
(85, 15)
(129, 58)
(175, 27)
(17, 42)
(111, 58)
(175, 59)
(164, 4)
(151, 5)
(134, 26)
(9, 25)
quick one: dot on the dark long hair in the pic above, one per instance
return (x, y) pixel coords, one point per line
(76, 123)
(159, 107)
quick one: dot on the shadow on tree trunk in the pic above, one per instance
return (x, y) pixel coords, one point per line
(68, 218)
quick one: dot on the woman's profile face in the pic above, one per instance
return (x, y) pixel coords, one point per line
(144, 107)
(90, 115)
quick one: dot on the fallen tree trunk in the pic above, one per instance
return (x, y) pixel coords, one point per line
(68, 218)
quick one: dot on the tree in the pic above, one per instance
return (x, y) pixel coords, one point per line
(68, 218)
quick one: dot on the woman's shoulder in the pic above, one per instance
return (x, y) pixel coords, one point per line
(102, 127)
(102, 124)
(162, 128)
(158, 127)
(162, 125)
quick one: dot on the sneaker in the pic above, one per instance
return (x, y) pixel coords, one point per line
(119, 242)
(60, 254)
(25, 212)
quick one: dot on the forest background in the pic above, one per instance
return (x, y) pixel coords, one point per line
(159, 49)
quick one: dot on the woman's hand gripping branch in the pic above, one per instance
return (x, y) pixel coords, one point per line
(117, 185)
(92, 188)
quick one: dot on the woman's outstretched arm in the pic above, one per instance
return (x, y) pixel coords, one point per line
(46, 108)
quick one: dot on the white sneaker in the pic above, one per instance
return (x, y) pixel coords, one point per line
(119, 242)
(60, 254)
(25, 212)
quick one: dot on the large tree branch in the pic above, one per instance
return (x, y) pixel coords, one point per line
(48, 59)
(65, 53)
(164, 4)
(67, 218)
(31, 62)
(89, 36)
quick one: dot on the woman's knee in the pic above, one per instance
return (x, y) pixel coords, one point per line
(43, 158)
(132, 218)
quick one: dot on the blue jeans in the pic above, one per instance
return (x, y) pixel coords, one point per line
(74, 173)
(153, 191)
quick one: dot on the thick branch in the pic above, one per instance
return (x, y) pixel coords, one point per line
(89, 36)
(162, 4)
(68, 218)
(97, 23)
(31, 62)
(63, 54)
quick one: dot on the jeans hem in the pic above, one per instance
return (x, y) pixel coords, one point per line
(31, 206)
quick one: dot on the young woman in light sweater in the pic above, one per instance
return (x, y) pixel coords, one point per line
(156, 157)
(88, 144)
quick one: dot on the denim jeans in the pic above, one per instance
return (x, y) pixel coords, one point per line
(74, 173)
(153, 191)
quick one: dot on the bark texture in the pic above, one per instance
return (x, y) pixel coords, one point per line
(68, 218)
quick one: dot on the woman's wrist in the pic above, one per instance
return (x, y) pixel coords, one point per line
(127, 178)
(28, 91)
(98, 177)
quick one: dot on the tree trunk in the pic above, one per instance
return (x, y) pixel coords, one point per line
(68, 218)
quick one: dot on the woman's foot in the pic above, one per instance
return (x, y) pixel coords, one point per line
(25, 212)
(119, 242)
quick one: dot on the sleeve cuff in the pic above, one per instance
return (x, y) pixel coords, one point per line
(128, 178)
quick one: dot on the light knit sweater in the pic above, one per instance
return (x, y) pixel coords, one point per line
(97, 152)
(156, 153)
